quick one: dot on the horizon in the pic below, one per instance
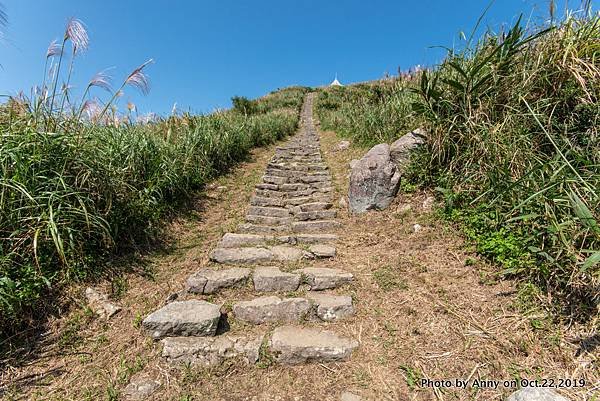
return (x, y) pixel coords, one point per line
(240, 49)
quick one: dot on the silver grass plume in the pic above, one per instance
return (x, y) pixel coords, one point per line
(77, 34)
(139, 80)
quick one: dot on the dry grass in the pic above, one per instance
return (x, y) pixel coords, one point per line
(426, 307)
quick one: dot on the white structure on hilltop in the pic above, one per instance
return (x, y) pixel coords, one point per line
(335, 82)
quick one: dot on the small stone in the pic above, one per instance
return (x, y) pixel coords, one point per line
(348, 396)
(343, 203)
(331, 307)
(404, 208)
(183, 318)
(271, 309)
(417, 228)
(343, 145)
(296, 345)
(211, 351)
(140, 387)
(428, 203)
(320, 278)
(209, 281)
(322, 251)
(535, 394)
(99, 303)
(273, 279)
(222, 188)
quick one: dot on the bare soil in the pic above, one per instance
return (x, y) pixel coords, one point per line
(427, 307)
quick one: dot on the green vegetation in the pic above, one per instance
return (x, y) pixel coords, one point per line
(513, 146)
(79, 181)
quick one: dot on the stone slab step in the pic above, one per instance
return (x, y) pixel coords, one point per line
(210, 281)
(315, 238)
(211, 351)
(263, 201)
(255, 255)
(183, 318)
(269, 179)
(313, 207)
(250, 228)
(302, 200)
(315, 226)
(316, 215)
(269, 211)
(268, 220)
(271, 187)
(268, 279)
(322, 251)
(272, 309)
(293, 345)
(237, 240)
(321, 278)
(330, 307)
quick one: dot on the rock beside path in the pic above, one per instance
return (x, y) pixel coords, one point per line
(100, 304)
(140, 387)
(402, 149)
(374, 181)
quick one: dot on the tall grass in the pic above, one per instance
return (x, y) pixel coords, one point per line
(75, 187)
(513, 148)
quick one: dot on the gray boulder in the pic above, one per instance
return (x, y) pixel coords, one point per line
(401, 149)
(374, 180)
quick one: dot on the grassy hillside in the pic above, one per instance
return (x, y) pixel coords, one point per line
(75, 190)
(513, 147)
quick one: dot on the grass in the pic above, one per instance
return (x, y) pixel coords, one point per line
(80, 183)
(513, 147)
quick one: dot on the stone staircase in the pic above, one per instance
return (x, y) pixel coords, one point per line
(290, 224)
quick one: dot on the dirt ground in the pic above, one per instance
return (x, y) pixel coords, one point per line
(427, 308)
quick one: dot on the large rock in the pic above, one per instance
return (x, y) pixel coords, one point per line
(209, 281)
(183, 318)
(294, 345)
(271, 309)
(401, 149)
(211, 351)
(374, 181)
(535, 394)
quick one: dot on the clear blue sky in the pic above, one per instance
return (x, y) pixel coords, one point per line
(208, 51)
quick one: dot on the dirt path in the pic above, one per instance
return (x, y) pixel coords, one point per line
(426, 307)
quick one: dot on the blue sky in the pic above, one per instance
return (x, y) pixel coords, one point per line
(207, 51)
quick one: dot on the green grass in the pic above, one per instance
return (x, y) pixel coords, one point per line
(513, 147)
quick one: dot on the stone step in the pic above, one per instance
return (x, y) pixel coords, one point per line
(239, 240)
(210, 281)
(313, 207)
(322, 250)
(315, 226)
(255, 255)
(249, 228)
(301, 200)
(268, 220)
(269, 211)
(269, 179)
(264, 186)
(271, 279)
(271, 309)
(268, 193)
(211, 351)
(264, 201)
(316, 215)
(292, 345)
(321, 278)
(315, 238)
(330, 307)
(183, 318)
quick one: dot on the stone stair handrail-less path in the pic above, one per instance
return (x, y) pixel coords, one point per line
(290, 220)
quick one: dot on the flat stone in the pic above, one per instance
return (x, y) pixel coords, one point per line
(262, 201)
(321, 278)
(209, 281)
(316, 238)
(331, 307)
(314, 226)
(322, 251)
(295, 345)
(140, 387)
(241, 256)
(316, 215)
(183, 318)
(348, 396)
(271, 309)
(315, 206)
(211, 351)
(100, 304)
(272, 187)
(273, 279)
(282, 253)
(268, 220)
(269, 211)
(250, 228)
(234, 240)
(535, 394)
(274, 180)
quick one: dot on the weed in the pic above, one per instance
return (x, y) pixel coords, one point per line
(388, 279)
